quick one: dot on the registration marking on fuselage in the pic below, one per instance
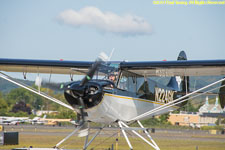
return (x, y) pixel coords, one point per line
(163, 95)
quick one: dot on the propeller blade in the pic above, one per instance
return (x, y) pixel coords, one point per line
(90, 73)
(101, 58)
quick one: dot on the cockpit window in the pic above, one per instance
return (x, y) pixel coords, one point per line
(123, 82)
(108, 71)
(128, 81)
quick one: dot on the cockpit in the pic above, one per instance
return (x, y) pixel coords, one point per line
(125, 82)
(135, 85)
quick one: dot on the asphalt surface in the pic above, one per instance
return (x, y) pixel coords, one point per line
(186, 134)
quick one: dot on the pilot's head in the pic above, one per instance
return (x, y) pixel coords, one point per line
(112, 77)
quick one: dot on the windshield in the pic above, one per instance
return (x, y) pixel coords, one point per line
(108, 71)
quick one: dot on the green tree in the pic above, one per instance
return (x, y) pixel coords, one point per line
(35, 101)
(18, 114)
(21, 106)
(151, 122)
(63, 114)
(49, 105)
(190, 107)
(19, 94)
(3, 106)
(164, 118)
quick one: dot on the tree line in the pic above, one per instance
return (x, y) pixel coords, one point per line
(21, 102)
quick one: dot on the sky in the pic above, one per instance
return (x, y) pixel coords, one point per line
(137, 30)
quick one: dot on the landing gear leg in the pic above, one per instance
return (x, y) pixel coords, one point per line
(125, 135)
(148, 135)
(123, 127)
(88, 143)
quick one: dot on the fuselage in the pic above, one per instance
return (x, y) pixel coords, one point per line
(107, 102)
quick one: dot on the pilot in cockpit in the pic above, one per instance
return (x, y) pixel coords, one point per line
(112, 77)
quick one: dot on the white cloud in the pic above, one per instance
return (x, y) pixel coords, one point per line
(106, 21)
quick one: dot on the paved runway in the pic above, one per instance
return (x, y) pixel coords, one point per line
(186, 134)
(48, 136)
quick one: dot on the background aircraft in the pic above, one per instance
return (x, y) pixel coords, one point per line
(13, 120)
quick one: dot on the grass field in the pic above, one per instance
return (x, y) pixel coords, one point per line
(166, 141)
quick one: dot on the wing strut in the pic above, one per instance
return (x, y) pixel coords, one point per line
(8, 78)
(179, 100)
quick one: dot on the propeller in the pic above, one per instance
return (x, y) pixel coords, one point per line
(101, 58)
(80, 90)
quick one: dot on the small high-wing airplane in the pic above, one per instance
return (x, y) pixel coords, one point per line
(12, 120)
(122, 92)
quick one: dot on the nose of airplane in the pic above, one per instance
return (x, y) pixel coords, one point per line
(91, 93)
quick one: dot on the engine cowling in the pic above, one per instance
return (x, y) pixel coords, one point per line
(91, 93)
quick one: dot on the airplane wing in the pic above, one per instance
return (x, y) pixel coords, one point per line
(143, 68)
(176, 68)
(44, 66)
